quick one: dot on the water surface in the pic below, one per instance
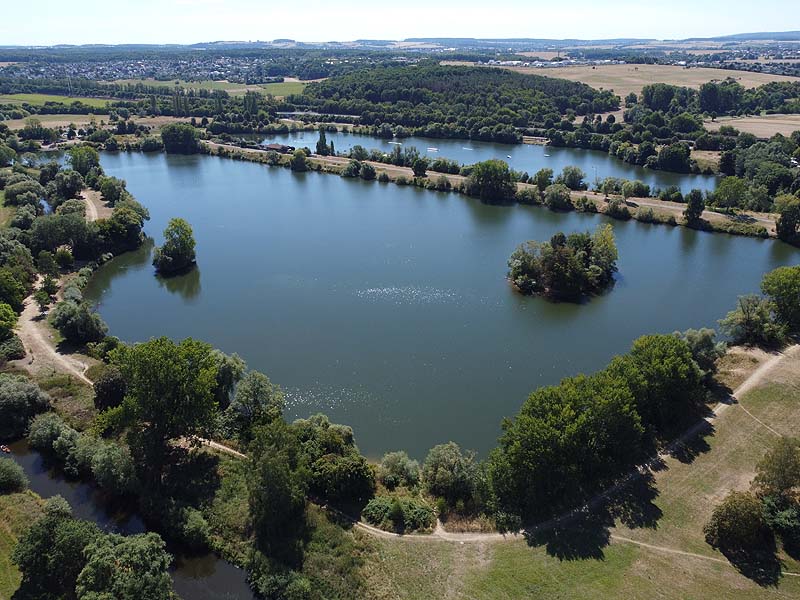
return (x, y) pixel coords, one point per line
(387, 307)
(522, 157)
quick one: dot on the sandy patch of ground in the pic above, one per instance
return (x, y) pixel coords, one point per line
(760, 126)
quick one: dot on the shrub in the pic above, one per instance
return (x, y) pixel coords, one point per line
(529, 196)
(449, 472)
(367, 172)
(738, 523)
(20, 401)
(45, 430)
(12, 477)
(751, 322)
(557, 197)
(352, 169)
(113, 469)
(11, 349)
(397, 468)
(616, 209)
(399, 514)
(64, 258)
(383, 177)
(78, 323)
(196, 531)
(583, 204)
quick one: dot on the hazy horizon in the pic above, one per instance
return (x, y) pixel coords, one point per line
(199, 21)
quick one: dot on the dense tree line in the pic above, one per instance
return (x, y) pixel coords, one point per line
(439, 101)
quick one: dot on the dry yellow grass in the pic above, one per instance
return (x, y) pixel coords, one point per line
(624, 79)
(761, 126)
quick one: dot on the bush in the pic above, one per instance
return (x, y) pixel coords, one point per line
(383, 177)
(557, 197)
(399, 514)
(583, 204)
(45, 430)
(616, 209)
(78, 323)
(450, 473)
(113, 469)
(20, 401)
(751, 322)
(12, 477)
(64, 258)
(737, 524)
(109, 388)
(11, 349)
(196, 531)
(367, 172)
(180, 138)
(397, 468)
(352, 169)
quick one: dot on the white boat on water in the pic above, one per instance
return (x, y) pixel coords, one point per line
(465, 148)
(508, 156)
(547, 156)
(432, 149)
(397, 143)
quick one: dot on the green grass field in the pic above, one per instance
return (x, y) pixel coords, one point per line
(411, 569)
(41, 99)
(17, 512)
(234, 89)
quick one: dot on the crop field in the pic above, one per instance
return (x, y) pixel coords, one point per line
(624, 79)
(41, 99)
(760, 126)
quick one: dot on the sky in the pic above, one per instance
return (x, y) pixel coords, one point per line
(48, 22)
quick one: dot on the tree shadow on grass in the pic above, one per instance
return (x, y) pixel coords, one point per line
(760, 565)
(585, 532)
(192, 477)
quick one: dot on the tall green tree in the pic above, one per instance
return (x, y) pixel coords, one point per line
(180, 138)
(491, 181)
(83, 159)
(782, 287)
(177, 253)
(170, 395)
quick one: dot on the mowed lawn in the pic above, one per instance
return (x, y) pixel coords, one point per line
(412, 569)
(41, 99)
(234, 89)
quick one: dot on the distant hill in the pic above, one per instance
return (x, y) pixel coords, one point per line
(780, 36)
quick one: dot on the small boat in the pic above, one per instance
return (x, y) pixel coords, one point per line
(432, 149)
(465, 148)
(5, 449)
(547, 156)
(508, 156)
(397, 143)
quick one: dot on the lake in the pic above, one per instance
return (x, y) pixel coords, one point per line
(387, 307)
(522, 157)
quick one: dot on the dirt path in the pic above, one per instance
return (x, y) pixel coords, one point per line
(41, 352)
(95, 207)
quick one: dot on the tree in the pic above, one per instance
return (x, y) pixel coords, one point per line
(674, 157)
(230, 369)
(180, 138)
(751, 322)
(298, 162)
(397, 468)
(50, 554)
(420, 166)
(20, 401)
(572, 177)
(705, 350)
(170, 395)
(730, 192)
(12, 291)
(113, 469)
(367, 172)
(109, 388)
(118, 566)
(558, 197)
(322, 143)
(450, 473)
(78, 323)
(177, 253)
(112, 189)
(665, 380)
(42, 299)
(12, 477)
(491, 181)
(737, 523)
(68, 183)
(782, 287)
(8, 320)
(788, 224)
(46, 263)
(257, 400)
(542, 179)
(778, 472)
(277, 492)
(695, 205)
(567, 442)
(7, 155)
(83, 159)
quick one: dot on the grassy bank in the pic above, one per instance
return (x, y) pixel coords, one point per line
(42, 99)
(17, 513)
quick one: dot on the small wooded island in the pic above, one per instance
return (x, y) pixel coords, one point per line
(177, 253)
(567, 268)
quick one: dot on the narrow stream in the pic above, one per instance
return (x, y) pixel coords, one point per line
(201, 577)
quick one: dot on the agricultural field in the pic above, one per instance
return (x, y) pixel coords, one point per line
(624, 79)
(42, 99)
(82, 120)
(764, 126)
(618, 561)
(234, 89)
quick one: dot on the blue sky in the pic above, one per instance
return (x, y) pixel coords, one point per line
(186, 21)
